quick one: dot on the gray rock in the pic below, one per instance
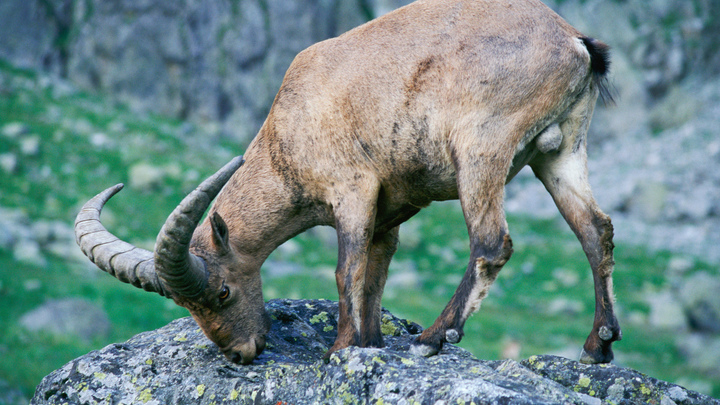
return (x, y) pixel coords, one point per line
(666, 311)
(28, 251)
(30, 145)
(211, 61)
(177, 364)
(145, 176)
(68, 317)
(32, 32)
(612, 384)
(12, 130)
(8, 163)
(701, 301)
(702, 353)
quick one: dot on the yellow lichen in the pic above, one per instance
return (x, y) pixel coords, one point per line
(145, 395)
(321, 317)
(234, 394)
(388, 328)
(407, 362)
(200, 390)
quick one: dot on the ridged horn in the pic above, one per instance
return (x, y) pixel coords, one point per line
(171, 269)
(182, 272)
(122, 260)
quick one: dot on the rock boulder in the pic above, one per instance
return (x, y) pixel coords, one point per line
(177, 364)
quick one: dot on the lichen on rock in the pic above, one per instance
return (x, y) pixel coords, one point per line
(156, 368)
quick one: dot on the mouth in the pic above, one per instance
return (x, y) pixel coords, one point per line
(246, 352)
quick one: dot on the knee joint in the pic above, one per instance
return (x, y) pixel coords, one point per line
(499, 255)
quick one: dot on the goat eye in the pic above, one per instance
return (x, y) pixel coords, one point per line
(224, 293)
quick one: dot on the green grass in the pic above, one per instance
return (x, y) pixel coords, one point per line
(73, 163)
(26, 357)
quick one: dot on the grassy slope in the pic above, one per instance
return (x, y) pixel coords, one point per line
(74, 162)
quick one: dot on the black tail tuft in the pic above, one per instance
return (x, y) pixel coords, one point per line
(600, 66)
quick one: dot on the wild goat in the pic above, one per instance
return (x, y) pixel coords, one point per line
(438, 100)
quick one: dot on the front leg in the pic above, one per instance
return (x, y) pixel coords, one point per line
(382, 250)
(479, 277)
(354, 221)
(481, 189)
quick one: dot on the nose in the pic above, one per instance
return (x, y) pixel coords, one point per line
(246, 352)
(236, 358)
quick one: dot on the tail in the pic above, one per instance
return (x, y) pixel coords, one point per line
(600, 66)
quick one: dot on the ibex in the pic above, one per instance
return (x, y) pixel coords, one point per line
(438, 100)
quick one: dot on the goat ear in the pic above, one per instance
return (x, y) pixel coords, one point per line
(220, 233)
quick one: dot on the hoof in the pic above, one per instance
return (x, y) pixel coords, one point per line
(452, 336)
(423, 350)
(587, 358)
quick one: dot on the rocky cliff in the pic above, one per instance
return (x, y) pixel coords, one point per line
(217, 62)
(177, 364)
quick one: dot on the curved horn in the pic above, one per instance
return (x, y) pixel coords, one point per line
(122, 260)
(171, 268)
(182, 272)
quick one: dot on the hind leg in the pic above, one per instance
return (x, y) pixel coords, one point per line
(564, 175)
(595, 231)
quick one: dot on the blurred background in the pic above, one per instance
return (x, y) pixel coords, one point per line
(158, 94)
